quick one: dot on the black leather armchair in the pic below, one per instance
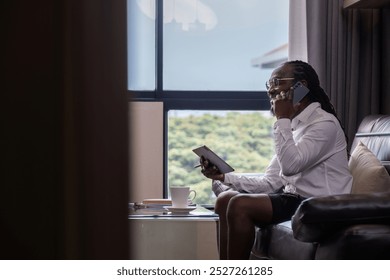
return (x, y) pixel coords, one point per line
(349, 226)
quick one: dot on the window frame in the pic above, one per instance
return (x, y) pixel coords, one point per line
(191, 99)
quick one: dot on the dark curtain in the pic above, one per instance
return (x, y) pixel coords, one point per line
(350, 50)
(64, 153)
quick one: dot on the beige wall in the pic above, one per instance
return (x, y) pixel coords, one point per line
(146, 150)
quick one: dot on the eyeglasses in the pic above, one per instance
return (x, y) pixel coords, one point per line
(275, 82)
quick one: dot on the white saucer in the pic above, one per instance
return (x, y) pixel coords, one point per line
(180, 210)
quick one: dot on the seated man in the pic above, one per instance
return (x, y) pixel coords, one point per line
(310, 160)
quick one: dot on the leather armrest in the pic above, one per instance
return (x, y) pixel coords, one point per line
(319, 217)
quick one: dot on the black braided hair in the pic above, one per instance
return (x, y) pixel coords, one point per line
(304, 71)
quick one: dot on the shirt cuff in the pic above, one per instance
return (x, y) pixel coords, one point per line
(282, 124)
(218, 187)
(229, 178)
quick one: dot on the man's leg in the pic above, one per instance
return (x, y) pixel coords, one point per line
(221, 206)
(243, 213)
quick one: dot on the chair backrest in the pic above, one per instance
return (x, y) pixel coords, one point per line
(374, 132)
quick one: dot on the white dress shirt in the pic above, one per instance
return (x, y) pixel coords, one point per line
(310, 158)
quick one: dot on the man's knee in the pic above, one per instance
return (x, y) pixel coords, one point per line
(244, 207)
(237, 205)
(223, 200)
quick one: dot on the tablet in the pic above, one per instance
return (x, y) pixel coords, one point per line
(208, 154)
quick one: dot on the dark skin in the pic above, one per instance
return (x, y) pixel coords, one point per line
(239, 213)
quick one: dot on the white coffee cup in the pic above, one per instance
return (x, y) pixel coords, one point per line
(180, 196)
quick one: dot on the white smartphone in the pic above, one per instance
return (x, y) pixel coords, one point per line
(300, 92)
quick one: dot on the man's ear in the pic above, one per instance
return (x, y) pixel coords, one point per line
(304, 82)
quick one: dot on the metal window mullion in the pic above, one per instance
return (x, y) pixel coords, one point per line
(159, 89)
(159, 49)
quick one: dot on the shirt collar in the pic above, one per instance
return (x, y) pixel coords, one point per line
(305, 114)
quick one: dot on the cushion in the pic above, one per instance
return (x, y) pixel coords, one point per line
(369, 175)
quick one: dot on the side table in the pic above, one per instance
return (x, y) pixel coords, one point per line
(157, 234)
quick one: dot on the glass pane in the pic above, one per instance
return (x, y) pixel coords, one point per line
(141, 44)
(242, 138)
(223, 44)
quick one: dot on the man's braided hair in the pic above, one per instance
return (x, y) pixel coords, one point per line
(304, 71)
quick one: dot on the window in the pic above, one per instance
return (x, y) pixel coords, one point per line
(243, 138)
(207, 61)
